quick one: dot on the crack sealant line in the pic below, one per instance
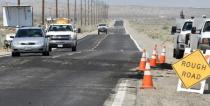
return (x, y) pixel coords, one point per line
(137, 45)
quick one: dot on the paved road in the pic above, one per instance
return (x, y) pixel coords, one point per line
(82, 78)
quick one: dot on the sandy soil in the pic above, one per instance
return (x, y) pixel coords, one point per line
(164, 79)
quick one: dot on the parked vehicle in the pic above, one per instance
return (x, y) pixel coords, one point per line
(200, 37)
(30, 40)
(181, 32)
(102, 28)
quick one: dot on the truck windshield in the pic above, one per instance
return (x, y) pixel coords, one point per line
(29, 33)
(187, 26)
(207, 27)
(60, 28)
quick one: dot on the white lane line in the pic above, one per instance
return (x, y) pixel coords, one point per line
(120, 95)
(137, 45)
(99, 42)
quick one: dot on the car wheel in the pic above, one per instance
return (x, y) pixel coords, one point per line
(179, 53)
(15, 54)
(46, 53)
(50, 49)
(74, 48)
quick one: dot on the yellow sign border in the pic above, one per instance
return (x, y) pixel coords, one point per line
(180, 77)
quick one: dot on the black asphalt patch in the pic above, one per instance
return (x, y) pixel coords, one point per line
(82, 78)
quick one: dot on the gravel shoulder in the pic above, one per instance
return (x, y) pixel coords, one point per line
(164, 79)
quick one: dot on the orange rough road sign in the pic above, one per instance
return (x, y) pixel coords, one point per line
(192, 69)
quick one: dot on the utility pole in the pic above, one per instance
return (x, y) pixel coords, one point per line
(85, 12)
(81, 16)
(75, 12)
(18, 2)
(91, 12)
(68, 9)
(56, 8)
(95, 10)
(88, 12)
(43, 12)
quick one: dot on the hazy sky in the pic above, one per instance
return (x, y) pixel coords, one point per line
(168, 3)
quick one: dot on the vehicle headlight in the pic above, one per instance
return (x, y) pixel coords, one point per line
(40, 43)
(73, 36)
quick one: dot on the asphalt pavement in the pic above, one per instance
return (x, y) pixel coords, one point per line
(83, 78)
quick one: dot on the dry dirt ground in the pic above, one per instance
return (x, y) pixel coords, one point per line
(164, 78)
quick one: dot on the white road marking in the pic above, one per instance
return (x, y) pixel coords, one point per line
(137, 45)
(120, 95)
(99, 42)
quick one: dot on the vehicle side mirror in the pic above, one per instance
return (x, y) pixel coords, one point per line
(12, 37)
(193, 31)
(178, 30)
(173, 30)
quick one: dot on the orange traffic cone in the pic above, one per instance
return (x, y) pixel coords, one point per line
(153, 60)
(148, 65)
(147, 80)
(163, 56)
(142, 63)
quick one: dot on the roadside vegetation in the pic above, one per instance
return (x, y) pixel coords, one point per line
(155, 28)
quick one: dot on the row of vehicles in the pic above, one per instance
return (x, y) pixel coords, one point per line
(37, 40)
(59, 33)
(191, 33)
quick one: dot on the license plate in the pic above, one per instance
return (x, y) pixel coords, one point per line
(60, 45)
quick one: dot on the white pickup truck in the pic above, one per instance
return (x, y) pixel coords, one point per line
(181, 33)
(200, 37)
(62, 36)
